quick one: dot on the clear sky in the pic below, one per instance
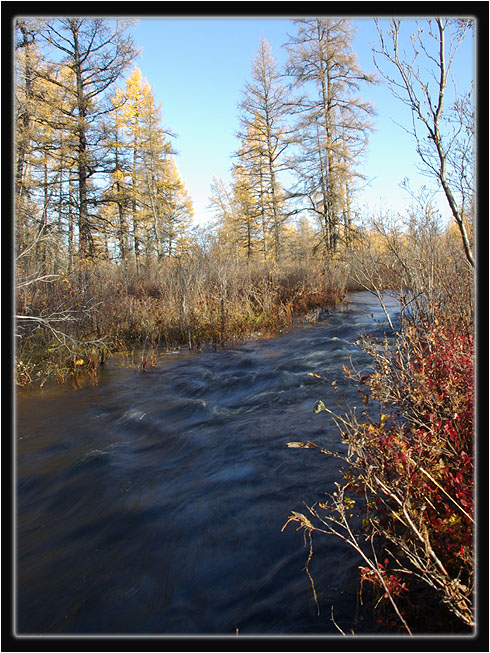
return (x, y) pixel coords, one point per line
(197, 68)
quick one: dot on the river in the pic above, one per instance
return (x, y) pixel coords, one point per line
(153, 503)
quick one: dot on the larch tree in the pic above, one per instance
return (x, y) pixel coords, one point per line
(240, 210)
(175, 211)
(43, 152)
(222, 203)
(165, 201)
(97, 51)
(30, 113)
(300, 239)
(263, 119)
(118, 191)
(145, 177)
(133, 101)
(247, 213)
(332, 122)
(254, 172)
(27, 59)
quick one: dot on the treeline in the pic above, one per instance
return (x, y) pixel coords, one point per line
(303, 124)
(96, 176)
(95, 173)
(98, 193)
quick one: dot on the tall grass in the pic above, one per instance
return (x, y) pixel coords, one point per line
(194, 301)
(421, 264)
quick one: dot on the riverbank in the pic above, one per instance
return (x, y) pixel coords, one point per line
(69, 326)
(408, 485)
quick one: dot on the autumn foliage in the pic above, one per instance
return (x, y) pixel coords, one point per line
(410, 475)
(418, 463)
(195, 301)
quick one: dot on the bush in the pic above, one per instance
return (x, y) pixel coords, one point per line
(409, 477)
(192, 301)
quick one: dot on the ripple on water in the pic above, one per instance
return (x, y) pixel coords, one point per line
(154, 503)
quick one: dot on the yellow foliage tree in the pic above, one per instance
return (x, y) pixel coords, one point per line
(145, 176)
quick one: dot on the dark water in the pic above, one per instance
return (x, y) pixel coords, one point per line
(153, 503)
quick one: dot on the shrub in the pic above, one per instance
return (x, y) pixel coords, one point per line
(191, 301)
(410, 472)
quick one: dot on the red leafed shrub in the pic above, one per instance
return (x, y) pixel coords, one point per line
(418, 465)
(410, 472)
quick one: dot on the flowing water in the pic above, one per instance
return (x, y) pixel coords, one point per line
(153, 503)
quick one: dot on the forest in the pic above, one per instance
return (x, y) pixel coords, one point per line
(109, 260)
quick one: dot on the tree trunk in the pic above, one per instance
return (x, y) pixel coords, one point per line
(85, 243)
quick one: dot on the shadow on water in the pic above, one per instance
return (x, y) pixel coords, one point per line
(153, 503)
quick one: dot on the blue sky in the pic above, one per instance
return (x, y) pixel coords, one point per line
(197, 68)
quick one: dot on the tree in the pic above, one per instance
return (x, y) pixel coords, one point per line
(118, 192)
(28, 101)
(145, 177)
(253, 166)
(173, 211)
(444, 138)
(222, 202)
(263, 113)
(247, 212)
(300, 241)
(43, 151)
(240, 210)
(26, 60)
(97, 52)
(133, 101)
(332, 123)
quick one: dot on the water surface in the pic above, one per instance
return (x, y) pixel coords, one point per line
(153, 503)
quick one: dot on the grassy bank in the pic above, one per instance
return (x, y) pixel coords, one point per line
(69, 324)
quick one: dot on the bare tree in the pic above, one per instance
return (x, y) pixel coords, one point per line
(444, 135)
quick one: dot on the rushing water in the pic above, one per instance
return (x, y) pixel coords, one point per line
(153, 503)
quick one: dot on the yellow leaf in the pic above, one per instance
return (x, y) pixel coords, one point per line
(79, 362)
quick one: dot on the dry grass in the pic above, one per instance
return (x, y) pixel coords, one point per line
(195, 301)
